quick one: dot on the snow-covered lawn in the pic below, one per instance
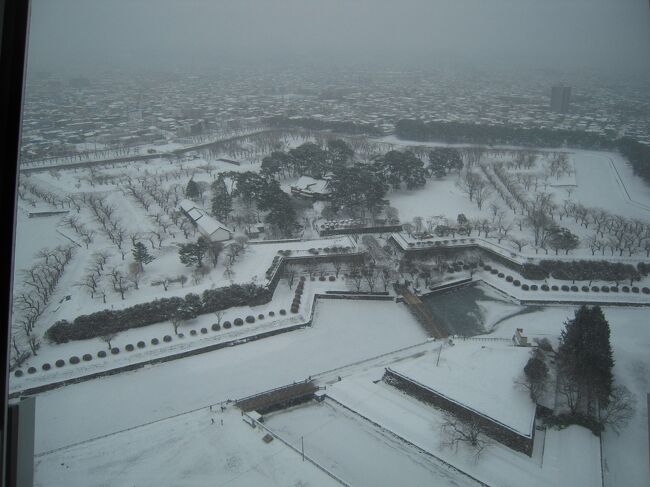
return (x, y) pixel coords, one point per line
(187, 450)
(343, 332)
(357, 451)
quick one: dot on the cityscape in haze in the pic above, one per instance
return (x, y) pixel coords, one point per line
(303, 243)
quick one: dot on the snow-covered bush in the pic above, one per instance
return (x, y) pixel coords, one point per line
(260, 316)
(555, 288)
(524, 287)
(533, 287)
(74, 360)
(18, 373)
(239, 321)
(193, 332)
(585, 289)
(31, 370)
(141, 344)
(115, 350)
(204, 331)
(101, 354)
(155, 341)
(167, 339)
(227, 324)
(86, 357)
(59, 363)
(544, 287)
(129, 348)
(215, 327)
(46, 366)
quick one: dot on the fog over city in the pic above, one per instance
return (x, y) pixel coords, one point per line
(86, 35)
(300, 243)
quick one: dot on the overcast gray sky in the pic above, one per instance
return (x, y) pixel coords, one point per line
(82, 35)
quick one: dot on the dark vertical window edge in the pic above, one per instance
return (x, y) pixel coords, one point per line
(15, 16)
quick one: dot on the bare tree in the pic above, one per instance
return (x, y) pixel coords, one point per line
(519, 242)
(34, 344)
(108, 338)
(219, 315)
(468, 431)
(619, 410)
(120, 284)
(370, 276)
(481, 193)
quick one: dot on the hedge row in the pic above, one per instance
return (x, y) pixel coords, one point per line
(113, 321)
(588, 270)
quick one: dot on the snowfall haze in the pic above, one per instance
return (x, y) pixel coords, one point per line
(93, 35)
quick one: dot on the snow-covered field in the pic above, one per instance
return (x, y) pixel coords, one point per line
(357, 451)
(343, 332)
(194, 449)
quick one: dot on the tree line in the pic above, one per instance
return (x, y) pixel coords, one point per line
(637, 153)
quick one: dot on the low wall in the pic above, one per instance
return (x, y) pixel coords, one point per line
(493, 429)
(358, 231)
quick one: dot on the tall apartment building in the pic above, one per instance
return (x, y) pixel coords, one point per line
(560, 98)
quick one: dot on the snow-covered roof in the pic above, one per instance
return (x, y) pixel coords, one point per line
(311, 185)
(480, 376)
(207, 224)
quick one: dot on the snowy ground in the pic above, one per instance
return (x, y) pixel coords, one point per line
(480, 376)
(343, 332)
(357, 451)
(187, 450)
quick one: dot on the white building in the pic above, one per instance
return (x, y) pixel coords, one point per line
(204, 223)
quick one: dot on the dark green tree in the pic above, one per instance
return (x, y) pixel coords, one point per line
(586, 357)
(140, 254)
(445, 159)
(282, 214)
(561, 238)
(192, 189)
(221, 200)
(357, 189)
(339, 152)
(192, 253)
(309, 159)
(276, 163)
(401, 167)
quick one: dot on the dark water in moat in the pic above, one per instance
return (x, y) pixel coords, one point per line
(459, 311)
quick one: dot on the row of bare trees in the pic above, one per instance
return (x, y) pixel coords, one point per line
(35, 289)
